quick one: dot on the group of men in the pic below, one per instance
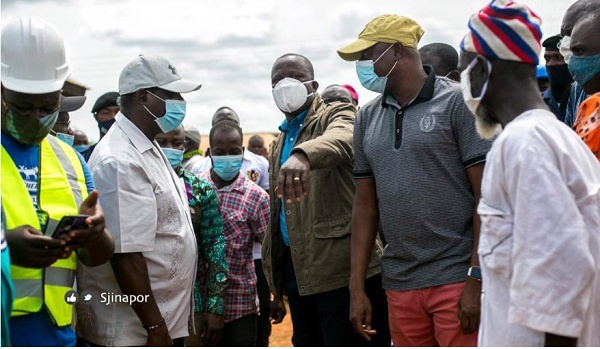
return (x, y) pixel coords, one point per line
(460, 207)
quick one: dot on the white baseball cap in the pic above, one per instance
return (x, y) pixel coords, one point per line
(148, 71)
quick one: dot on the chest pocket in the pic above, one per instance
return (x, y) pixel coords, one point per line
(236, 231)
(496, 239)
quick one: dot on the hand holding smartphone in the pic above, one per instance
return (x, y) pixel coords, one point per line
(69, 223)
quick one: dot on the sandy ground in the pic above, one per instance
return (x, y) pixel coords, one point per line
(281, 334)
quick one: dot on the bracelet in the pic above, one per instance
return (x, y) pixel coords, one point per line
(156, 325)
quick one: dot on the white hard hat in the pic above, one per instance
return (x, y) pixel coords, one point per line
(33, 57)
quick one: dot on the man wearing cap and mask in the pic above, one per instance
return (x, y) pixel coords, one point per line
(192, 154)
(540, 261)
(104, 110)
(43, 180)
(306, 253)
(557, 96)
(62, 126)
(418, 163)
(147, 211)
(577, 10)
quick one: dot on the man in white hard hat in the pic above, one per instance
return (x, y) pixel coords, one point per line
(148, 214)
(43, 181)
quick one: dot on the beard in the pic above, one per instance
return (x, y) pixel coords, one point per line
(485, 124)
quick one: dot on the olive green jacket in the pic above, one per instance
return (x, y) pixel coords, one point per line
(319, 226)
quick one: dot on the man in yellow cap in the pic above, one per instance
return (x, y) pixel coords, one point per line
(418, 163)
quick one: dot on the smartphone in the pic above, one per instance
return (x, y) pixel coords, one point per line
(68, 223)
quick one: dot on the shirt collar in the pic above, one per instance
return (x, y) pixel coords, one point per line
(239, 184)
(137, 137)
(295, 123)
(426, 93)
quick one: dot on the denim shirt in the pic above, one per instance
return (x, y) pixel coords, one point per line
(291, 130)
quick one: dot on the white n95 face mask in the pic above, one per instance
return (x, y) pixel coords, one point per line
(290, 94)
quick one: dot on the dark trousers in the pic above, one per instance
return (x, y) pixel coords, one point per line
(323, 319)
(263, 324)
(240, 332)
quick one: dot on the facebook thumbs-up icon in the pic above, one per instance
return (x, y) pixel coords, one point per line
(71, 297)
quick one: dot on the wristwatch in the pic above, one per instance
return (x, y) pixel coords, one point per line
(474, 272)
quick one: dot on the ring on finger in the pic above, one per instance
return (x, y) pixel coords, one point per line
(296, 178)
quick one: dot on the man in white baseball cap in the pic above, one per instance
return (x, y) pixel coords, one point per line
(147, 211)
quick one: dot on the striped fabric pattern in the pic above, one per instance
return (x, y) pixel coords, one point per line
(505, 30)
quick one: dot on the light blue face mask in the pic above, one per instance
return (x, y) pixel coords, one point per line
(227, 166)
(67, 138)
(174, 156)
(584, 69)
(81, 148)
(367, 76)
(174, 115)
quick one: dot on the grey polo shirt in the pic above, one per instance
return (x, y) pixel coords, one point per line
(418, 156)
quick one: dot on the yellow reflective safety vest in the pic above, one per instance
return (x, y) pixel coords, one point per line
(61, 189)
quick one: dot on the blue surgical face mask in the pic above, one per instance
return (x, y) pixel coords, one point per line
(227, 166)
(174, 156)
(367, 76)
(67, 138)
(584, 69)
(174, 115)
(80, 148)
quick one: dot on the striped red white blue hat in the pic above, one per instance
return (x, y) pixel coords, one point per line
(505, 30)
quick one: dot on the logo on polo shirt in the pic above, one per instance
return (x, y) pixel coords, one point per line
(427, 123)
(252, 175)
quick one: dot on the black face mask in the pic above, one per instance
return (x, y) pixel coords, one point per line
(559, 78)
(104, 126)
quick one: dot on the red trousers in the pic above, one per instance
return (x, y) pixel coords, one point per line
(427, 317)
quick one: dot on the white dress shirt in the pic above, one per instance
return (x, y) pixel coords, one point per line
(146, 211)
(255, 168)
(539, 244)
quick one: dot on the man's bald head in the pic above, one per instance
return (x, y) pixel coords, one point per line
(225, 113)
(442, 57)
(575, 12)
(296, 60)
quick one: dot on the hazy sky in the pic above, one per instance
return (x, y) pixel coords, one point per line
(230, 45)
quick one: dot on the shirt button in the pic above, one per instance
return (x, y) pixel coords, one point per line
(398, 130)
(295, 250)
(399, 112)
(291, 139)
(302, 287)
(288, 212)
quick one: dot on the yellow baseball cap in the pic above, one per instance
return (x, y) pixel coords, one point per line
(385, 28)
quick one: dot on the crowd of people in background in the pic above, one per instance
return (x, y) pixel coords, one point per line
(460, 207)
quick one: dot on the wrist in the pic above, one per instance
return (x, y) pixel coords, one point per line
(155, 326)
